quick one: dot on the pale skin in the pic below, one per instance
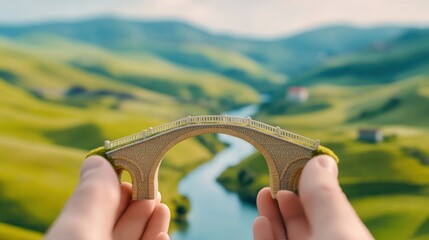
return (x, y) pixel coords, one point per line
(321, 211)
(100, 208)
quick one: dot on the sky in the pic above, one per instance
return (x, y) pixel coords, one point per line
(255, 18)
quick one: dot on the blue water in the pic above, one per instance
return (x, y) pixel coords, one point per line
(216, 213)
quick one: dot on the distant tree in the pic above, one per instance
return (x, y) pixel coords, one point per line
(246, 177)
(181, 210)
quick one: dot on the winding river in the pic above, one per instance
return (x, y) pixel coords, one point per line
(215, 213)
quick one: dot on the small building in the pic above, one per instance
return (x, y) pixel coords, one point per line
(297, 94)
(370, 135)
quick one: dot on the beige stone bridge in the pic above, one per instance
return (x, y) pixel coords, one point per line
(141, 154)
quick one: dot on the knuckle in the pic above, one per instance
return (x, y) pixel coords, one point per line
(321, 191)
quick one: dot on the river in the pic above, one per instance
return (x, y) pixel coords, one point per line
(216, 213)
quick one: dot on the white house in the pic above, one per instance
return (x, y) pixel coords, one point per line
(297, 94)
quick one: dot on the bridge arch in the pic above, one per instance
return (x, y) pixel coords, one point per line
(284, 158)
(121, 164)
(215, 129)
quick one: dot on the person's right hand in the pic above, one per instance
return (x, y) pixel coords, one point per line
(321, 211)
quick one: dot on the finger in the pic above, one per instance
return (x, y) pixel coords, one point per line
(158, 198)
(126, 195)
(91, 210)
(262, 229)
(162, 236)
(268, 208)
(133, 221)
(158, 222)
(327, 209)
(293, 215)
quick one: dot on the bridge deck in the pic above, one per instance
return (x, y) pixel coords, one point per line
(215, 119)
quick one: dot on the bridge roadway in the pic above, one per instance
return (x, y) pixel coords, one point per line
(141, 154)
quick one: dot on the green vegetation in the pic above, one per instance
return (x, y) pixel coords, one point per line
(388, 187)
(324, 150)
(246, 178)
(100, 151)
(119, 76)
(389, 62)
(388, 182)
(45, 134)
(66, 87)
(12, 232)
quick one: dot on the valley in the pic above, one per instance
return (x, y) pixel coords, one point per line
(67, 87)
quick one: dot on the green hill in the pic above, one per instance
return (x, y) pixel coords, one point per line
(390, 61)
(107, 78)
(96, 69)
(387, 183)
(42, 124)
(13, 232)
(179, 42)
(51, 98)
(176, 42)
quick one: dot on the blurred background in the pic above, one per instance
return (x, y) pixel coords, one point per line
(354, 74)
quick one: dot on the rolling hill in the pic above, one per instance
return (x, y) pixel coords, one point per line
(177, 42)
(65, 87)
(387, 183)
(52, 113)
(92, 68)
(402, 57)
(44, 141)
(174, 41)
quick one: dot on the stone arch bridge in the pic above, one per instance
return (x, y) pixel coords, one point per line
(141, 154)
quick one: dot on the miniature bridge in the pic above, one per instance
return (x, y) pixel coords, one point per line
(141, 154)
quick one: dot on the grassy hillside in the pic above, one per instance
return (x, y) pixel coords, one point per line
(171, 39)
(382, 63)
(100, 72)
(176, 42)
(388, 187)
(55, 108)
(226, 62)
(387, 183)
(43, 148)
(66, 87)
(46, 130)
(13, 232)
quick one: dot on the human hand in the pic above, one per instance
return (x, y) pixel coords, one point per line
(321, 211)
(100, 208)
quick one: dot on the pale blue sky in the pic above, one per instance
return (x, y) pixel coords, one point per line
(241, 17)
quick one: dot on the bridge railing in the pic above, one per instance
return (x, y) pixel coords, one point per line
(123, 141)
(292, 137)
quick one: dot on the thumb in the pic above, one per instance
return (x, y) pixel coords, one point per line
(162, 236)
(91, 210)
(327, 209)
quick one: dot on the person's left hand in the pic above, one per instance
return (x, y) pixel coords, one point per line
(101, 208)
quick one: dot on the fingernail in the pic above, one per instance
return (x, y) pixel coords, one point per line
(328, 163)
